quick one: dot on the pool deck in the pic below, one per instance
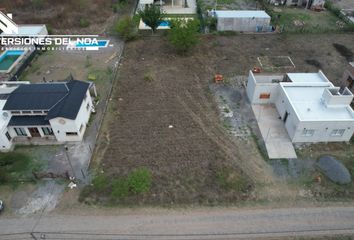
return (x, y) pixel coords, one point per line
(13, 65)
(143, 26)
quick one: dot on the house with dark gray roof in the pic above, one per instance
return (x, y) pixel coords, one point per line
(55, 111)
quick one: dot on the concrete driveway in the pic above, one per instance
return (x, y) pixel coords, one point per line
(275, 136)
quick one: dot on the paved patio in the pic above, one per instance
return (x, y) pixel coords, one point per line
(275, 136)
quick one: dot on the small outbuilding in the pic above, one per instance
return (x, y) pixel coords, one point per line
(243, 21)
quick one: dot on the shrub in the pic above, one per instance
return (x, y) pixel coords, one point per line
(120, 188)
(38, 4)
(139, 180)
(100, 182)
(49, 29)
(84, 23)
(126, 28)
(184, 34)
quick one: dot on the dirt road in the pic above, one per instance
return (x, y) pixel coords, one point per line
(186, 224)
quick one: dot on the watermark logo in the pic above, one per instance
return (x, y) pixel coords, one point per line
(54, 42)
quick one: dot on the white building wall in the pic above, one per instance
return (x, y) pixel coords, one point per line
(61, 126)
(10, 28)
(5, 144)
(254, 90)
(242, 24)
(323, 131)
(285, 108)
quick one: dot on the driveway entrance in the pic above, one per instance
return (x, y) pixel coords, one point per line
(275, 136)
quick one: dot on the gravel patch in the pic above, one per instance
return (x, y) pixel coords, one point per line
(45, 198)
(334, 170)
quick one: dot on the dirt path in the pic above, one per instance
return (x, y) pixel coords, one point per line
(188, 224)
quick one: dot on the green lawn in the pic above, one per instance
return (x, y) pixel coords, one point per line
(17, 166)
(301, 20)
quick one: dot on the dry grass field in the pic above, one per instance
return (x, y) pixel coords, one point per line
(194, 160)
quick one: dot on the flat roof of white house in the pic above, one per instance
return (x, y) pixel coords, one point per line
(30, 29)
(307, 103)
(241, 14)
(308, 77)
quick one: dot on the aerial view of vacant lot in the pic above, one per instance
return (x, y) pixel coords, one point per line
(163, 116)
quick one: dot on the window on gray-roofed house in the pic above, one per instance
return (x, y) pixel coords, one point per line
(26, 112)
(20, 131)
(71, 133)
(47, 131)
(337, 132)
(308, 132)
(15, 112)
(7, 134)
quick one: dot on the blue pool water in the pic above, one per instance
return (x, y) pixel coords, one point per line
(100, 43)
(164, 23)
(8, 58)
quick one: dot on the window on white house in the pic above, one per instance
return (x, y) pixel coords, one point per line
(26, 112)
(308, 132)
(37, 112)
(15, 112)
(47, 131)
(88, 106)
(7, 134)
(71, 133)
(20, 131)
(337, 132)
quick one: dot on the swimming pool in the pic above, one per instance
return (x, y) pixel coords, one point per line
(8, 59)
(100, 43)
(165, 23)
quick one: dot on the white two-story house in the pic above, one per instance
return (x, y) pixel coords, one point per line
(56, 111)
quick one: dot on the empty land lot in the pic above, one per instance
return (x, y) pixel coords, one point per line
(192, 161)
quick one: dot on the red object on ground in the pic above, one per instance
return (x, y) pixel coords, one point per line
(256, 70)
(218, 78)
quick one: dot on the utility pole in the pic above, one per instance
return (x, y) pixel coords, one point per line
(68, 158)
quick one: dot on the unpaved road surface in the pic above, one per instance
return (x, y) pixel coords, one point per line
(186, 224)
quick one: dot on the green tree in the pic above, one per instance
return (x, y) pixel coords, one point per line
(125, 27)
(151, 16)
(184, 34)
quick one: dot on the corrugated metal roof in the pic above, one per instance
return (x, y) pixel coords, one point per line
(241, 14)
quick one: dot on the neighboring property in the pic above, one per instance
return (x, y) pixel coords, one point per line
(243, 21)
(311, 108)
(308, 4)
(9, 27)
(348, 76)
(47, 112)
(172, 6)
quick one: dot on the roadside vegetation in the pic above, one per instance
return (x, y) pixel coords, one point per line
(117, 189)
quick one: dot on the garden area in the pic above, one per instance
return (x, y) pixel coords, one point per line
(302, 20)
